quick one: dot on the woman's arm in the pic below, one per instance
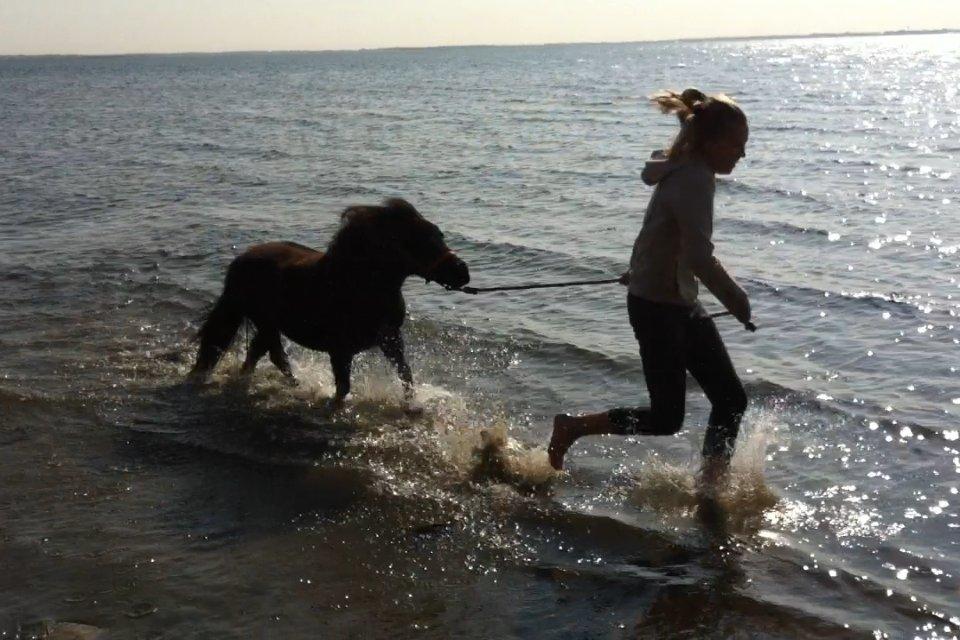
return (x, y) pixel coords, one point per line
(692, 203)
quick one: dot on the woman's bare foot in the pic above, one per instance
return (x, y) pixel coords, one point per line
(332, 405)
(564, 434)
(412, 409)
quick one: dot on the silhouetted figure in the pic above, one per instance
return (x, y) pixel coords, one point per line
(673, 251)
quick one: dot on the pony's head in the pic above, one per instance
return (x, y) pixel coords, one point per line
(396, 233)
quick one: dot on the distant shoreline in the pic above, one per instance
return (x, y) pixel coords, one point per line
(807, 36)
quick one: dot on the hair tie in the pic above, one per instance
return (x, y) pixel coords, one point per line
(693, 98)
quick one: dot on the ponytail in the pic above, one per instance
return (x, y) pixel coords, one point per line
(702, 118)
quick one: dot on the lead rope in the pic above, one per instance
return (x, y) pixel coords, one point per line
(474, 290)
(749, 326)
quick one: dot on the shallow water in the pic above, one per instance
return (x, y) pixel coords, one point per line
(134, 505)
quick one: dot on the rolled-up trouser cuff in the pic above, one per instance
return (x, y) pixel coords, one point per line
(628, 421)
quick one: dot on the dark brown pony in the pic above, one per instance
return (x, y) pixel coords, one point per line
(343, 301)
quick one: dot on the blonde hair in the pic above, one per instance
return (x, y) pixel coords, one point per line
(702, 118)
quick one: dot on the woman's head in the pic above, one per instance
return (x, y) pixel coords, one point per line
(711, 127)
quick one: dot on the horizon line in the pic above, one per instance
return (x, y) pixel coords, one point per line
(837, 34)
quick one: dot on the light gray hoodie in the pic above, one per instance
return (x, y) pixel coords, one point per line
(674, 248)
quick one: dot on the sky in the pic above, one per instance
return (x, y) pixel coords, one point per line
(162, 26)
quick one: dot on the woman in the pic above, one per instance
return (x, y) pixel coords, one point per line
(672, 252)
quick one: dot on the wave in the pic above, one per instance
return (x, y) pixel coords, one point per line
(769, 396)
(854, 301)
(798, 128)
(573, 117)
(736, 185)
(382, 115)
(287, 122)
(224, 150)
(536, 261)
(775, 227)
(345, 191)
(24, 408)
(580, 173)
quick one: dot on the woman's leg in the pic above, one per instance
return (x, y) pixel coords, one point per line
(660, 331)
(567, 429)
(710, 364)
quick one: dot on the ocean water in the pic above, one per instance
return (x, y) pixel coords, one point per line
(134, 505)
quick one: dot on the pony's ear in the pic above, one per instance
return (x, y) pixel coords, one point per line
(349, 214)
(399, 206)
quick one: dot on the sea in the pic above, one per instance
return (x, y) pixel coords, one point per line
(134, 506)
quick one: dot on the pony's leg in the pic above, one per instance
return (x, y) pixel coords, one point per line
(391, 343)
(258, 348)
(341, 375)
(215, 335)
(268, 339)
(279, 357)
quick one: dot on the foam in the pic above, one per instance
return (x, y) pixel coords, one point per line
(671, 488)
(481, 450)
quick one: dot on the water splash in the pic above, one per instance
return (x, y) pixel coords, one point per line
(475, 444)
(499, 458)
(672, 489)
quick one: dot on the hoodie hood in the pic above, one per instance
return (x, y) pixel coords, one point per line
(658, 167)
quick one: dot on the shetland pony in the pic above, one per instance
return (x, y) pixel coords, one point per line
(342, 301)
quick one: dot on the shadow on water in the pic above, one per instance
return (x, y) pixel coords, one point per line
(722, 602)
(245, 466)
(237, 421)
(601, 577)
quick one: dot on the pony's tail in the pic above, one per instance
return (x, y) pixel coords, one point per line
(216, 335)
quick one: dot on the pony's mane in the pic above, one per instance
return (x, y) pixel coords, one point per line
(354, 218)
(398, 205)
(401, 206)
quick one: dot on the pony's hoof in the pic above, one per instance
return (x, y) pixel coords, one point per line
(291, 382)
(413, 409)
(195, 380)
(332, 406)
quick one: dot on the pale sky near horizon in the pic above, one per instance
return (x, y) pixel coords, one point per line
(156, 26)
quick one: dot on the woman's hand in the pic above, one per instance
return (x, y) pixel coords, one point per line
(742, 312)
(625, 278)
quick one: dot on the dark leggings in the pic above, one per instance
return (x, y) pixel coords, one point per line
(672, 342)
